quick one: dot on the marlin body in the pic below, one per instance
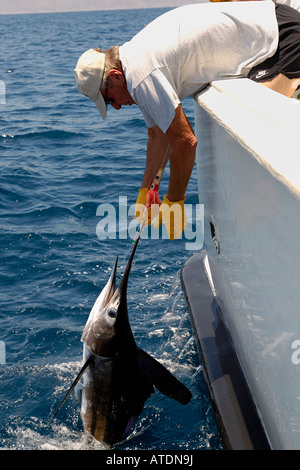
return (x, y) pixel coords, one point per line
(118, 376)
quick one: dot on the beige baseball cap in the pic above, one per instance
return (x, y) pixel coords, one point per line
(89, 73)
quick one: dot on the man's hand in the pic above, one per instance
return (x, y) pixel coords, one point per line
(144, 212)
(141, 211)
(174, 217)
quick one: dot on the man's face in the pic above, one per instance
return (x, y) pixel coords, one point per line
(116, 92)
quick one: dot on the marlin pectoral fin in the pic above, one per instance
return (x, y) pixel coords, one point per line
(161, 378)
(82, 370)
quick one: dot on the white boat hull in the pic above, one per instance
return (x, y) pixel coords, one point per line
(248, 163)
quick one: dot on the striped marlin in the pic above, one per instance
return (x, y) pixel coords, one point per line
(118, 376)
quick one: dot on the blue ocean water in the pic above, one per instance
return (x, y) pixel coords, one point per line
(59, 163)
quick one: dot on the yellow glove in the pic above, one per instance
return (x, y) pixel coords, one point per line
(141, 211)
(174, 217)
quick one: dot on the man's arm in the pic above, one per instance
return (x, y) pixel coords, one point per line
(179, 146)
(183, 143)
(157, 154)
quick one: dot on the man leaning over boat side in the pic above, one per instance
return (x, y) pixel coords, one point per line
(177, 55)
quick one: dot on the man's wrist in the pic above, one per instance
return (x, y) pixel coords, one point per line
(175, 197)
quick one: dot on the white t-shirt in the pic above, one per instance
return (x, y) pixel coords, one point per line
(189, 46)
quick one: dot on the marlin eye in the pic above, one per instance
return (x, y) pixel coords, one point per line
(112, 313)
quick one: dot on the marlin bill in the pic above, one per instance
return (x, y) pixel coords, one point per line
(117, 376)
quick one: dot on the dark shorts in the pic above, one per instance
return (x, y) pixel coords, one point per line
(286, 59)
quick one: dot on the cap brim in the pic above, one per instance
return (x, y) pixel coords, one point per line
(101, 105)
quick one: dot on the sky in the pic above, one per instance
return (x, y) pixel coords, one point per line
(45, 6)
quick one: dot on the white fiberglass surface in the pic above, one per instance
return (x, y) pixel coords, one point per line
(256, 274)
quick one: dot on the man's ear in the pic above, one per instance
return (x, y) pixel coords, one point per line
(116, 77)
